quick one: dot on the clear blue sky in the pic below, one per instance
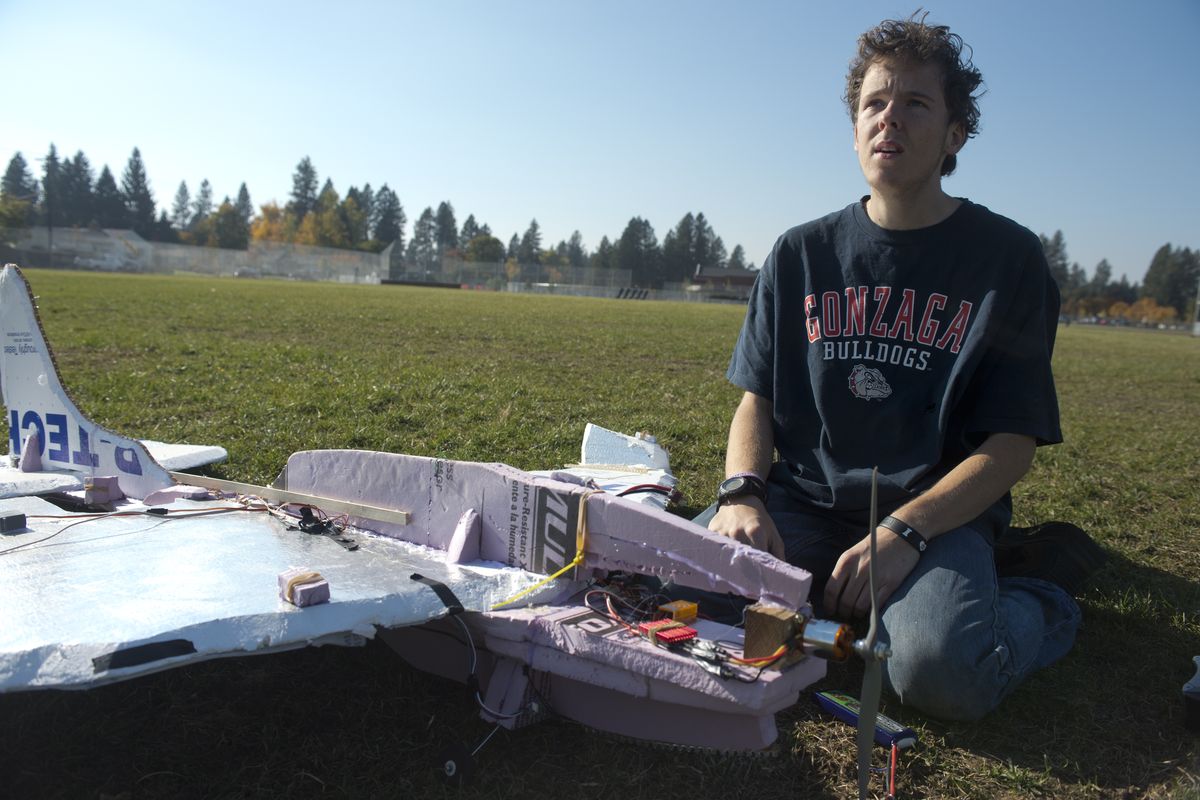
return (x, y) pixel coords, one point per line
(584, 115)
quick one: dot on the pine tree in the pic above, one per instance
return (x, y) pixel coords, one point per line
(18, 194)
(366, 201)
(75, 191)
(304, 189)
(514, 248)
(202, 206)
(330, 228)
(51, 193)
(244, 207)
(1101, 277)
(530, 251)
(390, 219)
(605, 255)
(638, 252)
(737, 259)
(1055, 249)
(163, 230)
(18, 182)
(422, 250)
(181, 210)
(678, 250)
(1172, 277)
(354, 220)
(109, 203)
(470, 230)
(717, 254)
(446, 236)
(576, 255)
(135, 186)
(229, 229)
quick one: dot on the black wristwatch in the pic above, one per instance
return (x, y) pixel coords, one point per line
(741, 485)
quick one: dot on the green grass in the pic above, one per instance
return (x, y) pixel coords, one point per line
(267, 368)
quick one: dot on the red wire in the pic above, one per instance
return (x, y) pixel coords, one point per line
(645, 487)
(892, 777)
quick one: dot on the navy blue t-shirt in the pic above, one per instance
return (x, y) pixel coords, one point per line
(898, 349)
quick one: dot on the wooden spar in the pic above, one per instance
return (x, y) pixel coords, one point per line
(327, 504)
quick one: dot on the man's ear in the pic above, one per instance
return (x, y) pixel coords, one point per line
(956, 137)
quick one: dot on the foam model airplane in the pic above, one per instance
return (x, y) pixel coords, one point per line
(529, 587)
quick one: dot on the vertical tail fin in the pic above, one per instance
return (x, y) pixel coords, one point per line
(37, 403)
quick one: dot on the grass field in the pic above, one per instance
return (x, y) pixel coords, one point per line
(267, 368)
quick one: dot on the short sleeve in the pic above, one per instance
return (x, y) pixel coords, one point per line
(1014, 391)
(752, 366)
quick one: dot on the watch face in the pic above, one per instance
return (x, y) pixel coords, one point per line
(733, 486)
(736, 487)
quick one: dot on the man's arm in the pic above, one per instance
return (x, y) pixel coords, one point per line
(959, 497)
(751, 449)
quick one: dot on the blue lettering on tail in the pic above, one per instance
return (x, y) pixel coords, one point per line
(55, 437)
(127, 460)
(83, 456)
(59, 437)
(31, 418)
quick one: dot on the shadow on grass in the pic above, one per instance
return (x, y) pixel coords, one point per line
(357, 722)
(339, 722)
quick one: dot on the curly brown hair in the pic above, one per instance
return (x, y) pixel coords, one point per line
(912, 40)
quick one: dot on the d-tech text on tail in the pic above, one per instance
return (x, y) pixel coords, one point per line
(41, 413)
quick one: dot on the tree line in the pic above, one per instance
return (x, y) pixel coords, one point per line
(364, 218)
(70, 195)
(1167, 295)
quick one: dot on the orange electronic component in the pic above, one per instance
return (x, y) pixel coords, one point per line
(680, 610)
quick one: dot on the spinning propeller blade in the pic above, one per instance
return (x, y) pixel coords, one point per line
(873, 676)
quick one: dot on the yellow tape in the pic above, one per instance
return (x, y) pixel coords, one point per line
(580, 541)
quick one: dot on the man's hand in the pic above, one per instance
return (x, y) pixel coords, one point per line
(746, 520)
(848, 592)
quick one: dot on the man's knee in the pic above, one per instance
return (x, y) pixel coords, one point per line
(938, 679)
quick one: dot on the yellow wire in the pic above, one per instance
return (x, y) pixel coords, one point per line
(580, 541)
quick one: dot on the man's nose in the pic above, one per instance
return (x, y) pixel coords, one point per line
(888, 118)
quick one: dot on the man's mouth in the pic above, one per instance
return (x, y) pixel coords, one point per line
(888, 148)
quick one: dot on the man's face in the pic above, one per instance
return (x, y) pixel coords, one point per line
(903, 128)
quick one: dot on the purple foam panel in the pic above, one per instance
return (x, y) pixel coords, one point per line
(531, 522)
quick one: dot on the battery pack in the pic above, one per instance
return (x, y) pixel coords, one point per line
(888, 732)
(11, 523)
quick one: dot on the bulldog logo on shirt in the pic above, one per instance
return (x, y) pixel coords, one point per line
(868, 384)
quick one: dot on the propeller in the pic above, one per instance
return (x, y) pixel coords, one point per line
(872, 654)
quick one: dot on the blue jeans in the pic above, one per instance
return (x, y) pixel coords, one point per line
(961, 638)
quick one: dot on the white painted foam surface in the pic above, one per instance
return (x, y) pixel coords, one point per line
(106, 584)
(602, 446)
(184, 456)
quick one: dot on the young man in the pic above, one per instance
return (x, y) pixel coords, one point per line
(911, 331)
